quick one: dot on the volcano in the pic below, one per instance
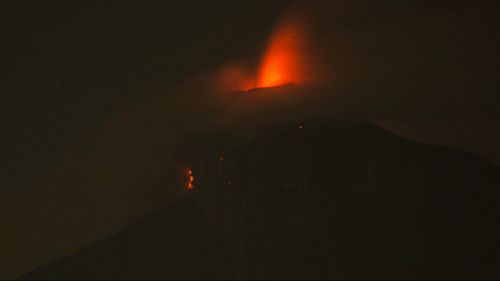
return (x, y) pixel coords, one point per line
(340, 199)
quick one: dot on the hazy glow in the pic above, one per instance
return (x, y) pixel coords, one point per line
(284, 61)
(284, 57)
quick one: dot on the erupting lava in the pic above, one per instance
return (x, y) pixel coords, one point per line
(283, 60)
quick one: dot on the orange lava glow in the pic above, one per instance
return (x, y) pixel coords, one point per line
(190, 179)
(283, 59)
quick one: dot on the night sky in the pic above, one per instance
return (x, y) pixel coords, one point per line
(68, 66)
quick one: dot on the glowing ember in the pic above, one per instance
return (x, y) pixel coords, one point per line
(190, 179)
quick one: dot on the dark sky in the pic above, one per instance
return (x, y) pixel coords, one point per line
(70, 65)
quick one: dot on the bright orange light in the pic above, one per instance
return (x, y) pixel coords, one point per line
(286, 60)
(283, 59)
(190, 179)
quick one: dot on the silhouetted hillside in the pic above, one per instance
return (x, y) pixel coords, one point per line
(316, 201)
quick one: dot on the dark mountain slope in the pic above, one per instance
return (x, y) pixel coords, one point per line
(336, 200)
